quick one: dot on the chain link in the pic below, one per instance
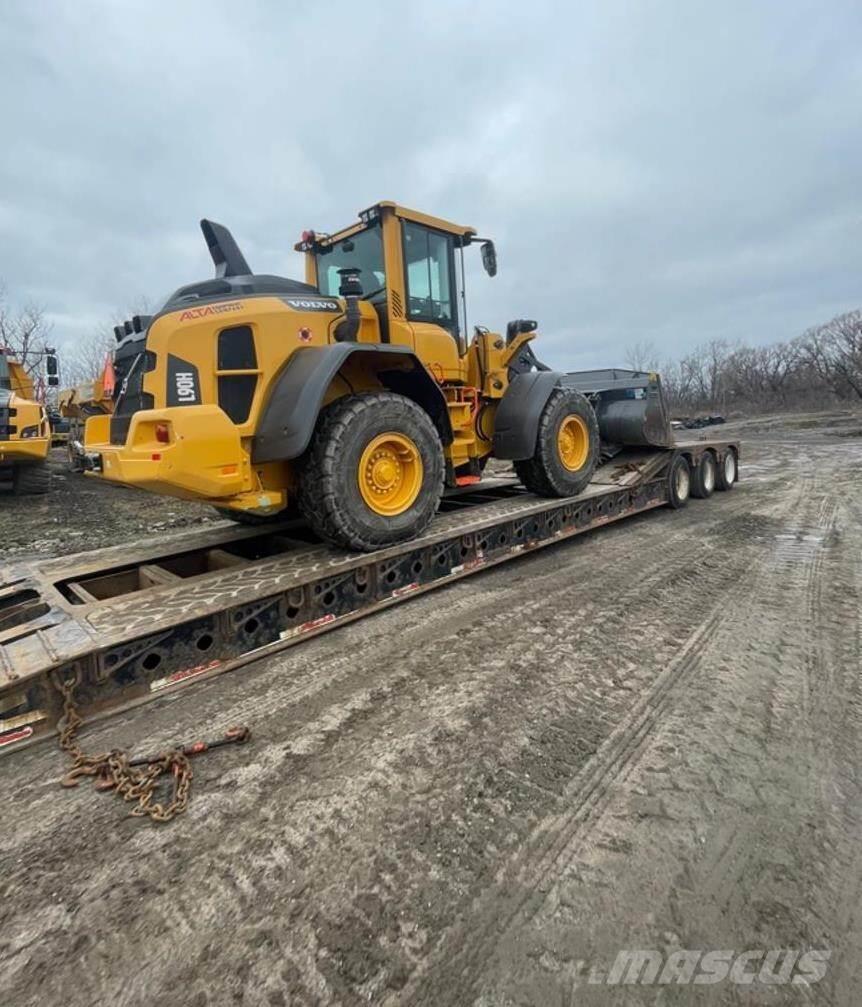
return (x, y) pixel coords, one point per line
(113, 770)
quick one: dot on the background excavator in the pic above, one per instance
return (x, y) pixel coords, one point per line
(356, 393)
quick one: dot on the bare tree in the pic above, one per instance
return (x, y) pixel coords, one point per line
(84, 359)
(834, 351)
(25, 332)
(642, 356)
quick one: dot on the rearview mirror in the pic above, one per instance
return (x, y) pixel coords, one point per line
(489, 258)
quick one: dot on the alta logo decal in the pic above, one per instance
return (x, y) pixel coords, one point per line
(210, 309)
(306, 304)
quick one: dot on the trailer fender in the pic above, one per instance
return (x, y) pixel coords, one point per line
(289, 416)
(516, 424)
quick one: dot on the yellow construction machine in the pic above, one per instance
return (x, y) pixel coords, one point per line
(74, 407)
(355, 394)
(25, 434)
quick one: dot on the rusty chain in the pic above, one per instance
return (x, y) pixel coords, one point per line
(133, 781)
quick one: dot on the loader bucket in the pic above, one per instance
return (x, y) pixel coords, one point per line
(629, 406)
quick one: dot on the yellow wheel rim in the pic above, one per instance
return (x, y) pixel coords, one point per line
(573, 442)
(390, 474)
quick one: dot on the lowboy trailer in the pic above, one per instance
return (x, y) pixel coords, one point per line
(126, 625)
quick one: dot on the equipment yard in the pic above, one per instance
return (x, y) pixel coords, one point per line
(647, 737)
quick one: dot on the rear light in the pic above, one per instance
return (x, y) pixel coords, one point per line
(30, 432)
(163, 434)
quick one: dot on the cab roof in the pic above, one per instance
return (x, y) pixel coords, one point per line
(375, 212)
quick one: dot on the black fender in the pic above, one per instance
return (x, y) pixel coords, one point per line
(516, 424)
(289, 416)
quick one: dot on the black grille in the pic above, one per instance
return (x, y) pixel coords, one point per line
(7, 429)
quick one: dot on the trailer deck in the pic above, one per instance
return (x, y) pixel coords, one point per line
(132, 622)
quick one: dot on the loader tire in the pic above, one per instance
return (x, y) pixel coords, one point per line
(703, 476)
(567, 447)
(727, 471)
(31, 480)
(373, 474)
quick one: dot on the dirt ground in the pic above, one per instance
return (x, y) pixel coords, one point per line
(82, 513)
(648, 737)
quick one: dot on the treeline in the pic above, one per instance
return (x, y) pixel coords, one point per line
(820, 368)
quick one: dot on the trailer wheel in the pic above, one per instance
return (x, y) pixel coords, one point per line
(373, 475)
(679, 482)
(703, 477)
(727, 472)
(567, 447)
(31, 480)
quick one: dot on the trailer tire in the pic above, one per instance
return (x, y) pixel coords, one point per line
(373, 473)
(679, 482)
(31, 480)
(567, 447)
(727, 472)
(703, 477)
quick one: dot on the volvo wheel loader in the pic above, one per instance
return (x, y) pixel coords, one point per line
(354, 395)
(25, 433)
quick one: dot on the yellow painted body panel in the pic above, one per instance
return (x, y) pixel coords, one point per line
(204, 458)
(17, 449)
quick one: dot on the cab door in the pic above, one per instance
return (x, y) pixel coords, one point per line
(432, 299)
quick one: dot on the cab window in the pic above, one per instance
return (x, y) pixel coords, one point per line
(428, 257)
(363, 251)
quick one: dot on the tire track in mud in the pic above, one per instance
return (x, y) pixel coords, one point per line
(748, 770)
(458, 963)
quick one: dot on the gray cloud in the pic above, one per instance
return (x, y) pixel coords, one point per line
(663, 171)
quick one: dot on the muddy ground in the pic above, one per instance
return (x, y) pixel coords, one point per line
(648, 737)
(84, 513)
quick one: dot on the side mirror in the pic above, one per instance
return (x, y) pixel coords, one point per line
(51, 365)
(53, 381)
(489, 258)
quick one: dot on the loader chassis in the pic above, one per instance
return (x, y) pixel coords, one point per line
(238, 390)
(129, 624)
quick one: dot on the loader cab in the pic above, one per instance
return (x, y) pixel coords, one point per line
(412, 272)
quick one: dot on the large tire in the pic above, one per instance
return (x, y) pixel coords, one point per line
(31, 480)
(703, 476)
(373, 474)
(567, 447)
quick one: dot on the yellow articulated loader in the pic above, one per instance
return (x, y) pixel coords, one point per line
(25, 434)
(75, 405)
(355, 394)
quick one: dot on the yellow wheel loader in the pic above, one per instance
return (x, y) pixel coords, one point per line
(25, 434)
(354, 395)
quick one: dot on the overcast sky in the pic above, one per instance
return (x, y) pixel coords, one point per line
(668, 171)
